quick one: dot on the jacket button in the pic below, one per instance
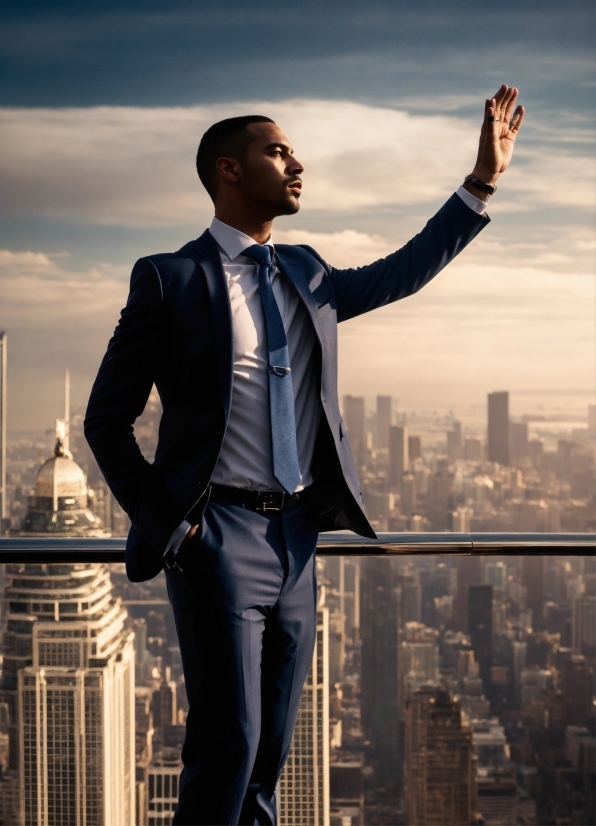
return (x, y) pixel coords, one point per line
(219, 431)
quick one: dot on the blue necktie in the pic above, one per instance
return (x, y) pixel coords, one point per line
(281, 395)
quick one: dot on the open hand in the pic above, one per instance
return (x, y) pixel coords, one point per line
(500, 127)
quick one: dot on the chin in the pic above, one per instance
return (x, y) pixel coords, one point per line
(290, 207)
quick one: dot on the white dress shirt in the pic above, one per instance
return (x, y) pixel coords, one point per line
(245, 458)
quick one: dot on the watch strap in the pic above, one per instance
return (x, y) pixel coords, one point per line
(478, 184)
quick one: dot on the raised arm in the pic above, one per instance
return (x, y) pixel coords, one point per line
(406, 271)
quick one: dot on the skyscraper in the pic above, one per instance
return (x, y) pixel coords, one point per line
(3, 367)
(533, 581)
(162, 787)
(303, 789)
(354, 417)
(454, 443)
(498, 428)
(398, 454)
(480, 624)
(68, 681)
(440, 762)
(469, 572)
(518, 435)
(379, 622)
(384, 415)
(414, 448)
(584, 626)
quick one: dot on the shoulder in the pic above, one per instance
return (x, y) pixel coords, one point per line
(300, 252)
(304, 260)
(181, 264)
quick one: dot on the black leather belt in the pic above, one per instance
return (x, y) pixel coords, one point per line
(264, 501)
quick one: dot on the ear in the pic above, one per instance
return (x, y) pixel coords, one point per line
(228, 169)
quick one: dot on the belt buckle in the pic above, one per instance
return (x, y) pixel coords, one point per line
(265, 502)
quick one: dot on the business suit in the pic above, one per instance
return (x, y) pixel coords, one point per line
(176, 332)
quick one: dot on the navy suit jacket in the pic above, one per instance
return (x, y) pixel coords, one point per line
(176, 332)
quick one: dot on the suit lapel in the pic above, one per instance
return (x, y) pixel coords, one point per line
(221, 313)
(294, 270)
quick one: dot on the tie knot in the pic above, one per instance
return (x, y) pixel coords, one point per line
(260, 253)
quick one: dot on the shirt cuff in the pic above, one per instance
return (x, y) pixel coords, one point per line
(178, 537)
(471, 200)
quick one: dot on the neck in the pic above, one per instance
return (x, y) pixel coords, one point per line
(250, 225)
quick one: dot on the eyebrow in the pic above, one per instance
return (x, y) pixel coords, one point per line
(281, 145)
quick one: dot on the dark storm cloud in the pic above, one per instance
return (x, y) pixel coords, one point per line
(156, 53)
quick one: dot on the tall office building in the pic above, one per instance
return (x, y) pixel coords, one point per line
(480, 624)
(3, 367)
(303, 789)
(384, 417)
(469, 572)
(455, 442)
(162, 787)
(533, 581)
(354, 417)
(498, 428)
(519, 444)
(351, 598)
(583, 626)
(414, 448)
(68, 682)
(398, 454)
(495, 574)
(440, 762)
(408, 494)
(379, 623)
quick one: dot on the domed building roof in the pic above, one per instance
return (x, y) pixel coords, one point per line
(61, 505)
(60, 476)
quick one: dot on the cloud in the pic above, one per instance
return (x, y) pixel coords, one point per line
(133, 167)
(476, 327)
(347, 248)
(569, 252)
(55, 317)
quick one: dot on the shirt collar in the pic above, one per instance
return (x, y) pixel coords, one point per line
(232, 241)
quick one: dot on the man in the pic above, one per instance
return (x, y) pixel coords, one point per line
(240, 338)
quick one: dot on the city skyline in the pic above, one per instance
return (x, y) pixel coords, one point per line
(501, 648)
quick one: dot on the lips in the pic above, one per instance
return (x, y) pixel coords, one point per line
(295, 187)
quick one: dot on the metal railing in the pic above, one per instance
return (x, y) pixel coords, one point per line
(75, 549)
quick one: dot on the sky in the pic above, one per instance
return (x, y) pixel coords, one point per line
(101, 110)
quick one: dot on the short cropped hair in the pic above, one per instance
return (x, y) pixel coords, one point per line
(227, 138)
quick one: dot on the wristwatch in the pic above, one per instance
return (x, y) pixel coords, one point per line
(478, 184)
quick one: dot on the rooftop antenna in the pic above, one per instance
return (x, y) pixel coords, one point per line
(63, 425)
(67, 410)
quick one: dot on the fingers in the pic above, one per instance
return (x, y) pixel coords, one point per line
(501, 107)
(493, 116)
(508, 103)
(516, 120)
(502, 91)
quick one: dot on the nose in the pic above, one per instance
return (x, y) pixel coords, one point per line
(294, 166)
